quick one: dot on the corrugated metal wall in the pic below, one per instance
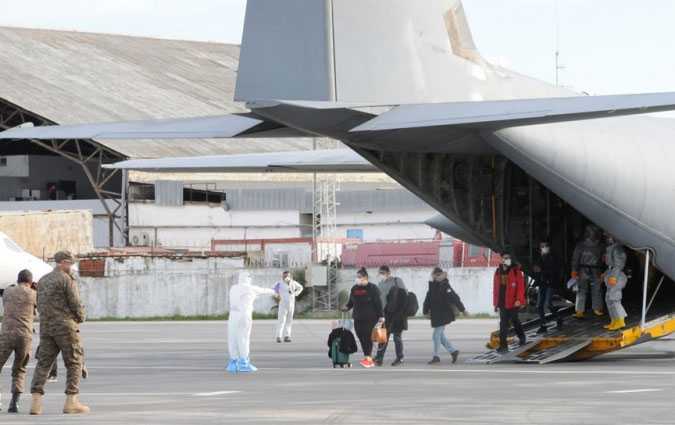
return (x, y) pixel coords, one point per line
(169, 193)
(301, 199)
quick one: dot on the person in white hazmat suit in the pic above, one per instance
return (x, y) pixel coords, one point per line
(615, 279)
(287, 290)
(242, 296)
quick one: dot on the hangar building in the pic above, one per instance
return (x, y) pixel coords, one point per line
(69, 77)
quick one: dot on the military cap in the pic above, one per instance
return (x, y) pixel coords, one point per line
(63, 256)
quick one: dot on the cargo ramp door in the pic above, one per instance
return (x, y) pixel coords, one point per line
(578, 339)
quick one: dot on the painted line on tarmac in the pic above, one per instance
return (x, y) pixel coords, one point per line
(394, 371)
(137, 394)
(478, 371)
(215, 393)
(642, 390)
(131, 394)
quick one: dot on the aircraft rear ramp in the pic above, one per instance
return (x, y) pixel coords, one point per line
(579, 339)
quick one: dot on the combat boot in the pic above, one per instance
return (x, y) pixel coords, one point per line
(599, 313)
(36, 404)
(73, 405)
(579, 315)
(610, 325)
(14, 404)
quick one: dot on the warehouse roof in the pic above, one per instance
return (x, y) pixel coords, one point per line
(72, 77)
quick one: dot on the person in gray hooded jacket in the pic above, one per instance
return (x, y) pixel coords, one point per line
(394, 297)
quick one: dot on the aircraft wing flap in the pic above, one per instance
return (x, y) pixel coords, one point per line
(512, 113)
(218, 126)
(333, 160)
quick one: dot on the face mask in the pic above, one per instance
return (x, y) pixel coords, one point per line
(508, 262)
(382, 277)
(545, 250)
(287, 279)
(610, 241)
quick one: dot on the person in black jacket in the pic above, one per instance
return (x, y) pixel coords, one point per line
(365, 301)
(393, 291)
(440, 304)
(547, 276)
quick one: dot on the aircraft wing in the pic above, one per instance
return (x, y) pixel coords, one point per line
(512, 113)
(442, 223)
(217, 126)
(334, 161)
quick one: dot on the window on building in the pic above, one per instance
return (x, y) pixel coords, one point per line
(474, 251)
(3, 161)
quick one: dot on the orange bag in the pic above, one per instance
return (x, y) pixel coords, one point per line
(379, 334)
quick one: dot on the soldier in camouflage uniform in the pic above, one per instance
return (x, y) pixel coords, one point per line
(19, 302)
(58, 301)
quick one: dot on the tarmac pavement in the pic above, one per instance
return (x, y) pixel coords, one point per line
(174, 373)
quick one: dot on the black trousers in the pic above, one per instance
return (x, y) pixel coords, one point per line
(506, 319)
(364, 331)
(544, 301)
(398, 344)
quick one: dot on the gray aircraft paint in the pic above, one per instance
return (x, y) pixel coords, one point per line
(335, 160)
(286, 51)
(616, 171)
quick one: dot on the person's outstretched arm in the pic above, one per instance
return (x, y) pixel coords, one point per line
(259, 290)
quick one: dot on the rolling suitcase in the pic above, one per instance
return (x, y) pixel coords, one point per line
(338, 357)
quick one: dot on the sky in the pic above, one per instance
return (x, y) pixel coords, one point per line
(606, 46)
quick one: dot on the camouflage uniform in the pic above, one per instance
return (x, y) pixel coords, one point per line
(17, 331)
(60, 315)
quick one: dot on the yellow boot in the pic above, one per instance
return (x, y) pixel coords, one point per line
(73, 405)
(599, 313)
(610, 325)
(36, 405)
(579, 314)
(618, 324)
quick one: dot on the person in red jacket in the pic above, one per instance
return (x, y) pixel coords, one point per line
(508, 299)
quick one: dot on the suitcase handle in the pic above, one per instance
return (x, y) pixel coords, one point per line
(343, 319)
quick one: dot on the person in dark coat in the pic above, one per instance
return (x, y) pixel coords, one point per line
(508, 300)
(366, 303)
(440, 305)
(395, 296)
(547, 276)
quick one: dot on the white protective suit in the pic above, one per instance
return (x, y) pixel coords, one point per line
(242, 296)
(287, 292)
(616, 280)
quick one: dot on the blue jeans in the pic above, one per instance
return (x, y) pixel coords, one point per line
(439, 339)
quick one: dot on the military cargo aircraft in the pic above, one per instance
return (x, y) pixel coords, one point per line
(506, 160)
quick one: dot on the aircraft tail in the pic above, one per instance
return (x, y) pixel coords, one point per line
(394, 51)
